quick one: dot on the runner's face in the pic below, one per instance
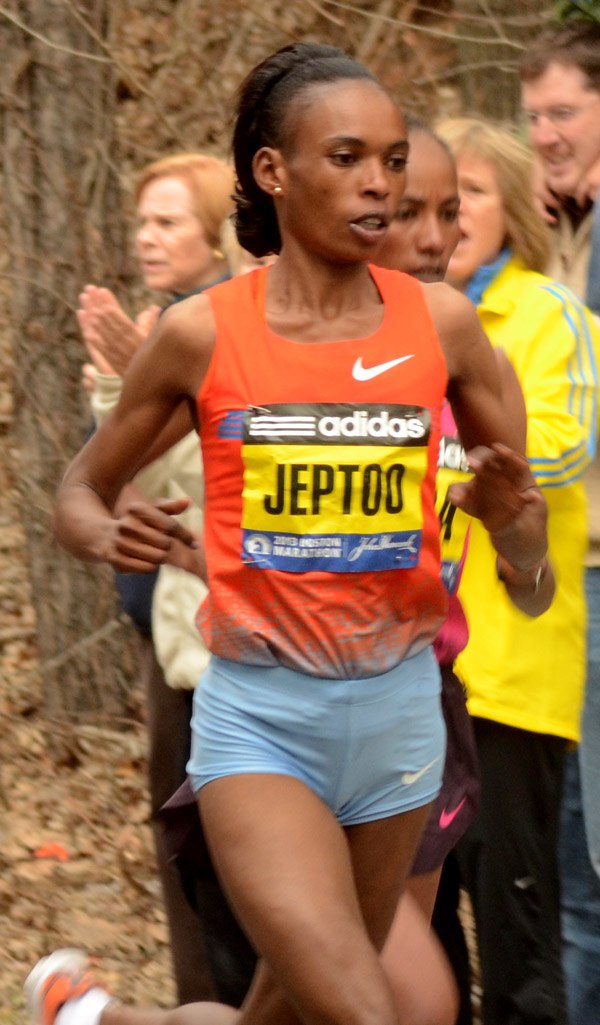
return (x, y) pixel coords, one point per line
(481, 219)
(563, 114)
(342, 172)
(424, 233)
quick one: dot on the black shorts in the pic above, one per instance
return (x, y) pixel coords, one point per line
(458, 800)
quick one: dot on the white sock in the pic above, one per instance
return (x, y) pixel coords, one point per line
(85, 1010)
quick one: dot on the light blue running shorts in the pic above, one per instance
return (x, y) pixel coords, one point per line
(369, 748)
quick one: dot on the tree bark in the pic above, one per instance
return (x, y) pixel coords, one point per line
(491, 37)
(64, 226)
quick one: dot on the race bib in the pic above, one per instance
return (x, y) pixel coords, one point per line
(453, 467)
(333, 487)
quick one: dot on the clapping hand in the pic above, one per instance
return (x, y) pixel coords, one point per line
(111, 337)
(589, 186)
(544, 201)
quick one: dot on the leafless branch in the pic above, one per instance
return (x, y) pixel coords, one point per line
(423, 29)
(49, 42)
(320, 9)
(96, 638)
(123, 69)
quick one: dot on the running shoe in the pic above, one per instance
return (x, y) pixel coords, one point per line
(57, 978)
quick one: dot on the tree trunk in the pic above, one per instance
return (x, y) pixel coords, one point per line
(491, 37)
(65, 226)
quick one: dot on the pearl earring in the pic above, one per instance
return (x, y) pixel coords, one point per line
(277, 190)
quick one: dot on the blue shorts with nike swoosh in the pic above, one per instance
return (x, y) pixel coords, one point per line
(369, 748)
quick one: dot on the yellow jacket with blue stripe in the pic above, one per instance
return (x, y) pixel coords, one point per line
(529, 673)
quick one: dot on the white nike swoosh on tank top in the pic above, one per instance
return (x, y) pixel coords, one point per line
(362, 373)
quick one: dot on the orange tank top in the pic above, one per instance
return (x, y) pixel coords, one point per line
(321, 537)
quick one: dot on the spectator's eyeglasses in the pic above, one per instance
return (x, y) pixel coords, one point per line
(557, 116)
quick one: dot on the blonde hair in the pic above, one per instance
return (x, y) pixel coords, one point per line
(210, 181)
(526, 234)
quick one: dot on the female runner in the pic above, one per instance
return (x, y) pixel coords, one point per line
(317, 385)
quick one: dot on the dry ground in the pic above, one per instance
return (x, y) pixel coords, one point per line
(76, 858)
(104, 895)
